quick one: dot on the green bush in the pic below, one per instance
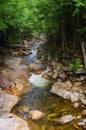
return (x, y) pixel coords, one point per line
(76, 65)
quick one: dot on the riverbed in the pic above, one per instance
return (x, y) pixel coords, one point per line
(40, 98)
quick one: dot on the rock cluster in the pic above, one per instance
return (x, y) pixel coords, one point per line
(67, 84)
(13, 83)
(72, 93)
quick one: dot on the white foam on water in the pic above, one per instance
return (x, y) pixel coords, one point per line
(38, 81)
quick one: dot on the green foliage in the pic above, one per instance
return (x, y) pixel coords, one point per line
(13, 20)
(20, 17)
(76, 65)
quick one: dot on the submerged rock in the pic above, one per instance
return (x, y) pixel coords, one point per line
(12, 122)
(23, 109)
(75, 125)
(36, 115)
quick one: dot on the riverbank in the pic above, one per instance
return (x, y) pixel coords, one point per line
(69, 82)
(72, 81)
(13, 84)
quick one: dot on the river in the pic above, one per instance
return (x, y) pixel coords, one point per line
(40, 98)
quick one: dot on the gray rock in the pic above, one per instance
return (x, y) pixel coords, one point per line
(65, 119)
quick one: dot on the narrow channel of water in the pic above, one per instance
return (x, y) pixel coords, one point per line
(40, 98)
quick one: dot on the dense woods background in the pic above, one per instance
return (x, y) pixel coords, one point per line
(63, 22)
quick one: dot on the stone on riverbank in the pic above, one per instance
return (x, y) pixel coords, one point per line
(12, 122)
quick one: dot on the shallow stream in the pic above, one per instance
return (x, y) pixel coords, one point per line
(40, 98)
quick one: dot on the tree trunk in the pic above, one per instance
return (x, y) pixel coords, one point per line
(84, 52)
(63, 46)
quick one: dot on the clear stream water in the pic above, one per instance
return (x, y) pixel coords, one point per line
(40, 98)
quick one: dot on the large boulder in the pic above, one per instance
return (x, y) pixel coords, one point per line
(12, 122)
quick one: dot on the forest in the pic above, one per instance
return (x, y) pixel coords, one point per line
(42, 64)
(63, 23)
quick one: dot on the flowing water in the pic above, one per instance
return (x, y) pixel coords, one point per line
(40, 98)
